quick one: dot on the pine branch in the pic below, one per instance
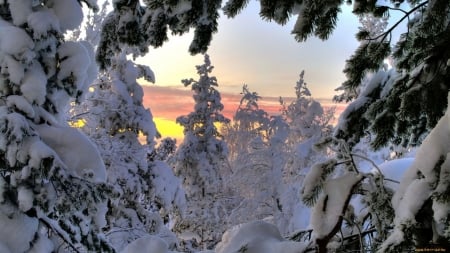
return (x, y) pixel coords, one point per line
(390, 30)
(47, 222)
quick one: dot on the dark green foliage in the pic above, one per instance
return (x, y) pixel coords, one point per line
(415, 99)
(316, 18)
(140, 27)
(233, 7)
(368, 57)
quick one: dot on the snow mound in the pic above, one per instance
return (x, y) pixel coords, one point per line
(75, 150)
(69, 13)
(146, 244)
(394, 170)
(17, 229)
(257, 237)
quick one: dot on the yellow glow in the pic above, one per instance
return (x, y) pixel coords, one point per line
(169, 128)
(79, 123)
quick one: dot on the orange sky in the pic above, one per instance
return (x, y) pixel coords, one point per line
(168, 103)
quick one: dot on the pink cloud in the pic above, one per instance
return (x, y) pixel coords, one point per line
(170, 102)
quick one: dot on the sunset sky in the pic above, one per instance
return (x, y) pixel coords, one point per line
(248, 50)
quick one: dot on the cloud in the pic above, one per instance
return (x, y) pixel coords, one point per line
(168, 103)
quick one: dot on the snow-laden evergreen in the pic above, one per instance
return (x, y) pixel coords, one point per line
(52, 176)
(421, 203)
(113, 115)
(199, 160)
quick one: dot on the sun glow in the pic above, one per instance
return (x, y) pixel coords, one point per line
(169, 128)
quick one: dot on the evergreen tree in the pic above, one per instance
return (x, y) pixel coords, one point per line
(114, 117)
(52, 188)
(200, 159)
(124, 130)
(256, 143)
(256, 180)
(249, 122)
(308, 122)
(417, 83)
(422, 203)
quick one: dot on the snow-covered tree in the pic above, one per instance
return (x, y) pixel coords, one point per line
(308, 122)
(114, 117)
(200, 158)
(52, 188)
(256, 143)
(249, 122)
(124, 130)
(306, 116)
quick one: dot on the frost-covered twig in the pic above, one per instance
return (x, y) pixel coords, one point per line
(369, 160)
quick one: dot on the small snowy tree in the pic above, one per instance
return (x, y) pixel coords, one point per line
(257, 177)
(200, 159)
(52, 176)
(306, 116)
(308, 122)
(249, 122)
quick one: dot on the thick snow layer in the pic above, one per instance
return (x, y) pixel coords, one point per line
(13, 40)
(25, 198)
(11, 68)
(75, 150)
(20, 9)
(394, 170)
(330, 206)
(314, 176)
(182, 7)
(423, 178)
(17, 229)
(257, 237)
(42, 22)
(69, 13)
(37, 150)
(435, 146)
(34, 84)
(21, 104)
(41, 245)
(75, 63)
(167, 185)
(149, 243)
